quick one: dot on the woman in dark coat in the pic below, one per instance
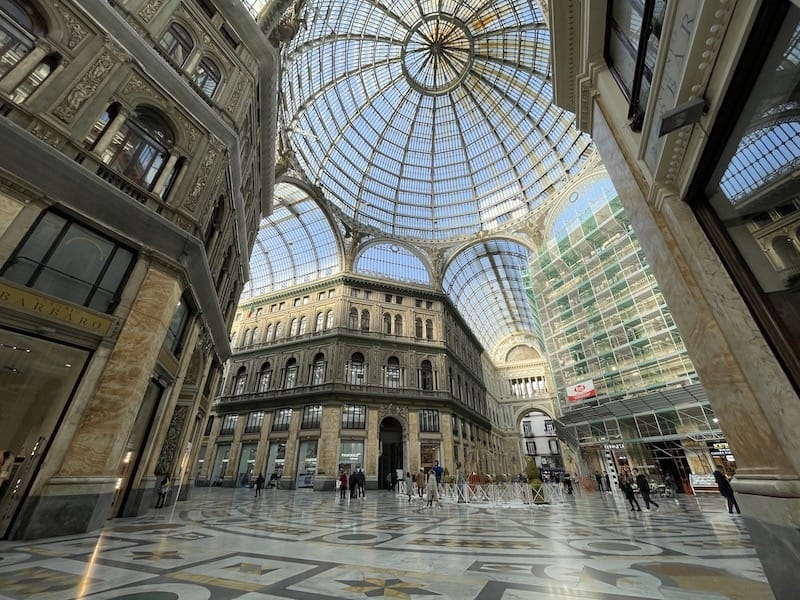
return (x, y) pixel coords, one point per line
(726, 490)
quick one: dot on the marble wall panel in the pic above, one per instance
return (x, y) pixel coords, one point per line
(100, 438)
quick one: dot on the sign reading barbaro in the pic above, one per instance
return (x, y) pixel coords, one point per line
(24, 301)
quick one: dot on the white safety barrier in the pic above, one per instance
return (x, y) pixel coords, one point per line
(493, 494)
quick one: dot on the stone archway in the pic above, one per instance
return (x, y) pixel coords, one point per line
(390, 443)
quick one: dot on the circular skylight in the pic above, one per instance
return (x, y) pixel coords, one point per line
(427, 120)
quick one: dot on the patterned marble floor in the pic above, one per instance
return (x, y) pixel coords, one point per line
(224, 544)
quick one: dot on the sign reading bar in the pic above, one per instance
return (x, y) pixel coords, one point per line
(581, 391)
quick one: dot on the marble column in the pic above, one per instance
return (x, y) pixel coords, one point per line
(328, 450)
(78, 498)
(758, 408)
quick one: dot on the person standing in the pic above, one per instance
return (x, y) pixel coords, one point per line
(607, 480)
(461, 487)
(361, 481)
(726, 490)
(259, 484)
(599, 479)
(163, 491)
(343, 486)
(421, 483)
(626, 485)
(438, 471)
(432, 490)
(409, 485)
(353, 483)
(644, 489)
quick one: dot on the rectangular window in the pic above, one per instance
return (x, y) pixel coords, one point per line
(321, 296)
(331, 293)
(273, 308)
(549, 426)
(418, 303)
(530, 448)
(428, 304)
(282, 419)
(296, 302)
(177, 327)
(398, 299)
(69, 261)
(367, 294)
(553, 446)
(388, 297)
(228, 424)
(281, 305)
(254, 421)
(632, 39)
(312, 417)
(527, 430)
(209, 425)
(429, 421)
(355, 293)
(354, 416)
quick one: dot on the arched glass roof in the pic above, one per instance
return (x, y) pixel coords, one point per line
(393, 261)
(485, 281)
(294, 244)
(430, 120)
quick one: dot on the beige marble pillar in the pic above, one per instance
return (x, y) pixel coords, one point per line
(328, 450)
(371, 451)
(78, 498)
(292, 443)
(758, 408)
(413, 441)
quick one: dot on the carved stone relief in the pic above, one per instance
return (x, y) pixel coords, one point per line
(200, 183)
(166, 460)
(77, 32)
(87, 85)
(150, 9)
(48, 135)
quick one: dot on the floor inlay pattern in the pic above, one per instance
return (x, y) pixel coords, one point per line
(224, 544)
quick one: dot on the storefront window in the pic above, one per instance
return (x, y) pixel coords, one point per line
(351, 455)
(750, 205)
(306, 463)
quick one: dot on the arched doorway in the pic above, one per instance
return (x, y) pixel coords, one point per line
(391, 449)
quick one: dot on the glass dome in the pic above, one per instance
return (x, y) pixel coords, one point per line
(429, 120)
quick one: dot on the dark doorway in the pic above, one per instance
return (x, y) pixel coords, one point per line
(391, 450)
(669, 457)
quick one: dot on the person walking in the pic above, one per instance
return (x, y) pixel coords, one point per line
(626, 485)
(353, 483)
(599, 479)
(259, 484)
(409, 485)
(644, 489)
(343, 486)
(607, 480)
(163, 491)
(432, 490)
(726, 490)
(421, 483)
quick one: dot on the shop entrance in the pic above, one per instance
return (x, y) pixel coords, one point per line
(37, 378)
(670, 457)
(391, 450)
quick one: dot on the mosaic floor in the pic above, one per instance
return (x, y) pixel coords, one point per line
(224, 544)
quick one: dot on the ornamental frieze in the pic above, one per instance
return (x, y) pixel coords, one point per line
(87, 85)
(200, 183)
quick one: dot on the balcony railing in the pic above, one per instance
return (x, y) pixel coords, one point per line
(337, 388)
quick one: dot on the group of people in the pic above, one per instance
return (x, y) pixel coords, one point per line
(626, 483)
(355, 483)
(603, 481)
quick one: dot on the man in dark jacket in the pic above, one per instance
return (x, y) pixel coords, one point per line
(644, 489)
(726, 490)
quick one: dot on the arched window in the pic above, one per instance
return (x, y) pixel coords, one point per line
(428, 329)
(264, 377)
(426, 375)
(246, 339)
(418, 327)
(207, 76)
(303, 326)
(318, 370)
(320, 322)
(233, 339)
(290, 375)
(392, 378)
(20, 25)
(355, 369)
(240, 381)
(786, 251)
(20, 28)
(141, 148)
(329, 320)
(364, 320)
(177, 43)
(255, 339)
(398, 325)
(279, 330)
(293, 328)
(270, 330)
(387, 323)
(353, 321)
